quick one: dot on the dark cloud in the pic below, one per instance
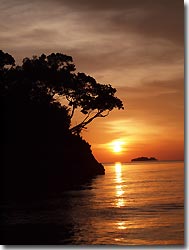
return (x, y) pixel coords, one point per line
(156, 87)
(30, 36)
(154, 19)
(119, 4)
(159, 102)
(120, 58)
(124, 33)
(41, 34)
(135, 45)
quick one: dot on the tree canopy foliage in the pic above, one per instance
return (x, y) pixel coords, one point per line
(41, 81)
(41, 151)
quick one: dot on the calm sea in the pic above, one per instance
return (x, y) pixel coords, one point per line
(133, 204)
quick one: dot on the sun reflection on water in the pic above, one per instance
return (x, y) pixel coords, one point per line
(119, 201)
(121, 225)
(119, 191)
(118, 168)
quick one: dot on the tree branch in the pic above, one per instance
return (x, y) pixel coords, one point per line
(80, 126)
(87, 116)
(101, 115)
(73, 109)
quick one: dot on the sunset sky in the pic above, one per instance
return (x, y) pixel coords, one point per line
(137, 46)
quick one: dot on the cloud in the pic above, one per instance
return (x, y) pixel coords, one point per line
(111, 40)
(135, 45)
(158, 19)
(153, 112)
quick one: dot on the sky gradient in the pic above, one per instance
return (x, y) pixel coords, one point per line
(137, 46)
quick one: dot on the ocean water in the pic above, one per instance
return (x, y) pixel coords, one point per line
(132, 204)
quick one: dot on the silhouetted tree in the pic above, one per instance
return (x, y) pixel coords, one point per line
(56, 73)
(37, 136)
(43, 81)
(28, 109)
(5, 59)
(94, 99)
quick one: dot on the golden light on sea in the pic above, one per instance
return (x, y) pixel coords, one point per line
(119, 192)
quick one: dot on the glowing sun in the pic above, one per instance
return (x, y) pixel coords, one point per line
(117, 146)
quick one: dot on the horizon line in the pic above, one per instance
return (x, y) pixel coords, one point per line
(141, 161)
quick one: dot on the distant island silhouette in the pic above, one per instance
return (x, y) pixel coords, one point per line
(143, 158)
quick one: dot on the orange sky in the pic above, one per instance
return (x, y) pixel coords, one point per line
(135, 45)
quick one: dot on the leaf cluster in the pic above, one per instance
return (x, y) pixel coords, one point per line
(40, 79)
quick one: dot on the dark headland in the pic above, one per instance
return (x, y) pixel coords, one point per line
(43, 150)
(143, 158)
(42, 154)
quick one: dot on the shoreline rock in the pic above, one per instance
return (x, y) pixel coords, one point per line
(31, 171)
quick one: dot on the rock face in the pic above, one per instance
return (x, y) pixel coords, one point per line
(40, 153)
(38, 170)
(143, 158)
